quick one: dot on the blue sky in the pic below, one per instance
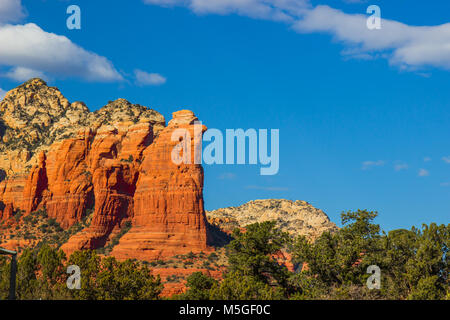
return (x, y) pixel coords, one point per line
(363, 114)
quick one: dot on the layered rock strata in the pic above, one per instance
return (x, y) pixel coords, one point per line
(115, 162)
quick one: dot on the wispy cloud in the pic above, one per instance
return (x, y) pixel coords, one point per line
(277, 10)
(355, 1)
(445, 184)
(267, 188)
(401, 166)
(423, 173)
(227, 176)
(405, 46)
(408, 47)
(446, 159)
(427, 159)
(369, 164)
(148, 79)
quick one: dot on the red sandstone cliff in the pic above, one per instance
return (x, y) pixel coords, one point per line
(117, 162)
(169, 217)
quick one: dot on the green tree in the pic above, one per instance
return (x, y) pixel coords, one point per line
(427, 271)
(199, 286)
(4, 277)
(51, 262)
(399, 247)
(427, 288)
(413, 263)
(27, 281)
(89, 263)
(236, 286)
(307, 287)
(252, 253)
(126, 280)
(337, 260)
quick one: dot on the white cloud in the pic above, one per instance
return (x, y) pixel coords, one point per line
(227, 176)
(446, 159)
(407, 47)
(369, 164)
(2, 94)
(401, 166)
(445, 184)
(277, 10)
(165, 3)
(24, 74)
(11, 11)
(29, 49)
(355, 1)
(427, 159)
(148, 79)
(423, 173)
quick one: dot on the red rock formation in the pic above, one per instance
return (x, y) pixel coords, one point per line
(11, 191)
(114, 162)
(129, 177)
(69, 184)
(58, 183)
(36, 183)
(6, 212)
(169, 216)
(284, 258)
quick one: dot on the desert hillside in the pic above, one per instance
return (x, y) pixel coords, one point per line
(295, 217)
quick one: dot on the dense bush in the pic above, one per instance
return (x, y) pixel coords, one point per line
(41, 274)
(414, 264)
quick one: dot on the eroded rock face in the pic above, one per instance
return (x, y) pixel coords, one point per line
(115, 161)
(169, 216)
(295, 217)
(33, 116)
(67, 195)
(35, 185)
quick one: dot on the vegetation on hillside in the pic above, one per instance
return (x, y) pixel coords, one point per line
(39, 229)
(414, 264)
(42, 274)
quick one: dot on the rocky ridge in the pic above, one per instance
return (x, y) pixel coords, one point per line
(33, 116)
(114, 162)
(295, 217)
